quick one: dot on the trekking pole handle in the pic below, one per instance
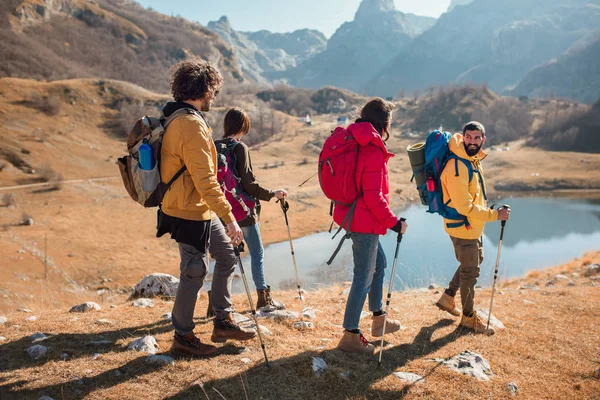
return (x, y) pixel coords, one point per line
(399, 239)
(503, 223)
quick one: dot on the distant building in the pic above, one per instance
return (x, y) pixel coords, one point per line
(342, 120)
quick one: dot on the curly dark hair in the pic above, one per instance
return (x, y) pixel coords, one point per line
(379, 113)
(194, 79)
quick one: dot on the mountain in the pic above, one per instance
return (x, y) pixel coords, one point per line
(456, 3)
(264, 51)
(575, 74)
(357, 49)
(489, 42)
(420, 23)
(114, 39)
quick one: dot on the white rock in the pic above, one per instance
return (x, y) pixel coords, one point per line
(240, 318)
(513, 389)
(143, 303)
(309, 313)
(2, 339)
(38, 337)
(167, 316)
(409, 377)
(528, 287)
(96, 356)
(36, 352)
(494, 322)
(3, 320)
(146, 344)
(303, 325)
(245, 360)
(160, 360)
(156, 284)
(319, 366)
(468, 363)
(85, 307)
(31, 319)
(364, 314)
(575, 275)
(560, 277)
(105, 322)
(25, 310)
(528, 302)
(278, 315)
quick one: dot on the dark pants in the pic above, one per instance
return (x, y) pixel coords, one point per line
(469, 253)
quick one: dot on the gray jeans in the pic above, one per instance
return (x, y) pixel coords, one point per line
(193, 270)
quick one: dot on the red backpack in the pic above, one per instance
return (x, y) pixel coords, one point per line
(242, 204)
(337, 176)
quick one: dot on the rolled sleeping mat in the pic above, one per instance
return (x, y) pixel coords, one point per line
(416, 157)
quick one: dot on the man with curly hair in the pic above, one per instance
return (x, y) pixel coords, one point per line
(193, 208)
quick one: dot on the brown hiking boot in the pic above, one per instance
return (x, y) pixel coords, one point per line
(391, 325)
(476, 323)
(355, 343)
(209, 309)
(446, 303)
(225, 329)
(190, 345)
(265, 300)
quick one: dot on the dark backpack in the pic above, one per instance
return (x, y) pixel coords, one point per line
(242, 203)
(146, 186)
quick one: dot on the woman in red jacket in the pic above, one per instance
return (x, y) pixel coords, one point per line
(372, 218)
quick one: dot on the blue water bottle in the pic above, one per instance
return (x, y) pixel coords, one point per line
(146, 159)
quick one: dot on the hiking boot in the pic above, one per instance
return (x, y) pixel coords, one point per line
(190, 345)
(265, 300)
(446, 303)
(391, 325)
(355, 343)
(477, 324)
(227, 328)
(209, 310)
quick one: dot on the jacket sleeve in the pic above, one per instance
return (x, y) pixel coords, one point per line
(196, 144)
(461, 199)
(246, 175)
(371, 182)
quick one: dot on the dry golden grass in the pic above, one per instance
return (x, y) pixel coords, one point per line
(549, 349)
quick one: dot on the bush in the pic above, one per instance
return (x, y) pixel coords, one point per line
(8, 200)
(505, 120)
(49, 105)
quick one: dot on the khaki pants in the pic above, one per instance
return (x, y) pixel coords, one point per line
(469, 253)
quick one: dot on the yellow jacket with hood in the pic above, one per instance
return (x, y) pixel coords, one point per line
(466, 197)
(187, 140)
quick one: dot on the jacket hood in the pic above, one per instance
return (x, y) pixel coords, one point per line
(365, 134)
(173, 106)
(457, 146)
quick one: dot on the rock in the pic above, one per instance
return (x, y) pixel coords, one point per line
(575, 275)
(160, 360)
(560, 277)
(3, 320)
(79, 382)
(31, 319)
(143, 303)
(118, 373)
(345, 375)
(528, 287)
(240, 318)
(319, 366)
(45, 398)
(71, 255)
(156, 284)
(528, 302)
(36, 352)
(513, 389)
(113, 306)
(468, 363)
(105, 322)
(96, 356)
(591, 270)
(2, 339)
(278, 315)
(433, 286)
(146, 344)
(309, 313)
(38, 337)
(303, 325)
(85, 307)
(571, 283)
(409, 377)
(550, 283)
(494, 322)
(25, 310)
(245, 360)
(167, 316)
(364, 314)
(64, 356)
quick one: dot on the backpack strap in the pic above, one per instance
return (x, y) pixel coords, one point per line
(346, 222)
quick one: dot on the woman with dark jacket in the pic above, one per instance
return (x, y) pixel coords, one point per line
(372, 218)
(237, 125)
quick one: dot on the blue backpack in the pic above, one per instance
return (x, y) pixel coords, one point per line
(437, 155)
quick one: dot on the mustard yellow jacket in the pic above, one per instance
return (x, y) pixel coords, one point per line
(466, 197)
(187, 140)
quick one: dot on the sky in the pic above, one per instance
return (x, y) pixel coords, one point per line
(283, 15)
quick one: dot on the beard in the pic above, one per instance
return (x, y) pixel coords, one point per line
(472, 149)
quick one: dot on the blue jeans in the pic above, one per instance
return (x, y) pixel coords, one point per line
(369, 271)
(255, 248)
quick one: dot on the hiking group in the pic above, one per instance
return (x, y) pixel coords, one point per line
(209, 202)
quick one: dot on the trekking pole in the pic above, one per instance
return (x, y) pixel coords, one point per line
(503, 223)
(389, 293)
(253, 311)
(302, 184)
(285, 206)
